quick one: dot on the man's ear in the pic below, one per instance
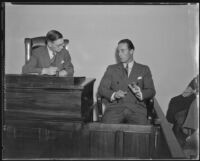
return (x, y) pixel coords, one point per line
(132, 51)
(49, 44)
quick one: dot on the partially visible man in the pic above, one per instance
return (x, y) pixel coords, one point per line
(125, 87)
(50, 59)
(182, 111)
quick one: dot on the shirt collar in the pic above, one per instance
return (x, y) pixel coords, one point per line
(130, 64)
(50, 52)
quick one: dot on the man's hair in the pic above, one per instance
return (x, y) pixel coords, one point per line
(128, 42)
(53, 35)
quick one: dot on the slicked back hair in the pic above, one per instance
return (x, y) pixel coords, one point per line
(53, 35)
(128, 42)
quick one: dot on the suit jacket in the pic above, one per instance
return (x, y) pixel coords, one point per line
(180, 103)
(177, 104)
(115, 79)
(40, 59)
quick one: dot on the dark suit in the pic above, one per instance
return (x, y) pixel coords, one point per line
(40, 59)
(178, 104)
(114, 79)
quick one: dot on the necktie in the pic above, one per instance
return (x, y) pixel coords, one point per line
(126, 69)
(52, 59)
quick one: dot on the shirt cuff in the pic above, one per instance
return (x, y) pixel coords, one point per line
(42, 71)
(141, 96)
(112, 97)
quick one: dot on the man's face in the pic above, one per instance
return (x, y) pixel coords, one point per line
(57, 45)
(125, 55)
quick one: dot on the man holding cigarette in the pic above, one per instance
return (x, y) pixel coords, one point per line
(52, 59)
(124, 88)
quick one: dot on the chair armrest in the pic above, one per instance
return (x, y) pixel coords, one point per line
(99, 105)
(151, 114)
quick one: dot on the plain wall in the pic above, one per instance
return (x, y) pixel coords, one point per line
(165, 38)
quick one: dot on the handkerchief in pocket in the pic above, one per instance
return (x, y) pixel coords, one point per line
(140, 77)
(62, 61)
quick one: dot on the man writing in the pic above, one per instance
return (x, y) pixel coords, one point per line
(124, 88)
(51, 58)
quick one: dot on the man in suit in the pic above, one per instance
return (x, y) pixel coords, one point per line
(51, 58)
(125, 87)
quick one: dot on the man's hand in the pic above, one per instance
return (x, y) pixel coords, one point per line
(63, 73)
(49, 71)
(120, 94)
(136, 90)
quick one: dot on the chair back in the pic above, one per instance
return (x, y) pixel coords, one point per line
(33, 43)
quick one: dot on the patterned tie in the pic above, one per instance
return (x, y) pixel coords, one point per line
(126, 69)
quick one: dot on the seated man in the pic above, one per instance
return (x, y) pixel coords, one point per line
(181, 111)
(125, 86)
(51, 58)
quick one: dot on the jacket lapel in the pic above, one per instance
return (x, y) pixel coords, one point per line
(135, 72)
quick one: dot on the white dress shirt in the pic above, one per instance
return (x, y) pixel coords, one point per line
(51, 53)
(130, 65)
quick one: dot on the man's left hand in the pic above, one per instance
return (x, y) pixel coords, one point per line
(63, 73)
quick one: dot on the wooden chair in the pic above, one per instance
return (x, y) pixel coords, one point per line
(100, 109)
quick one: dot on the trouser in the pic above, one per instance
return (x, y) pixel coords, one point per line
(178, 130)
(123, 114)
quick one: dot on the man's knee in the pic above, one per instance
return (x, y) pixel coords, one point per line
(109, 120)
(139, 120)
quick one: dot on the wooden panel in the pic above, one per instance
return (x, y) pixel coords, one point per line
(23, 148)
(93, 140)
(120, 127)
(42, 99)
(162, 150)
(136, 145)
(49, 124)
(102, 144)
(36, 81)
(24, 144)
(120, 140)
(119, 144)
(29, 104)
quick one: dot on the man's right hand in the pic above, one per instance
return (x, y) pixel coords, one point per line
(49, 71)
(120, 94)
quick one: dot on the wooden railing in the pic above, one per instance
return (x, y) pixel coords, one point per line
(169, 140)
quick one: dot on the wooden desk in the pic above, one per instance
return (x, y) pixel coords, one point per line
(47, 98)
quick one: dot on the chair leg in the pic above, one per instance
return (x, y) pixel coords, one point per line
(95, 114)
